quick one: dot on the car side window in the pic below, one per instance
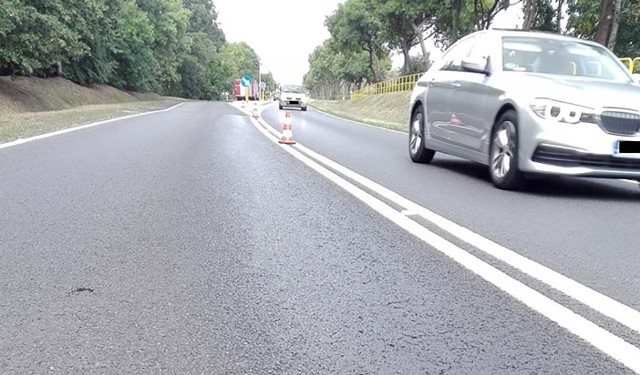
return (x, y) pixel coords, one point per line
(452, 60)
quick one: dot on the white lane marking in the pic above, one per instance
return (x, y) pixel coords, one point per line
(408, 213)
(632, 181)
(595, 300)
(76, 128)
(599, 302)
(605, 341)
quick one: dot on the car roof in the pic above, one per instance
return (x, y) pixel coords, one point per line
(531, 34)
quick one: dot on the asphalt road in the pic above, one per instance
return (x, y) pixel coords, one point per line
(587, 229)
(186, 242)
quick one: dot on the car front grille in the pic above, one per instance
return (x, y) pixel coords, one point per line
(621, 123)
(568, 158)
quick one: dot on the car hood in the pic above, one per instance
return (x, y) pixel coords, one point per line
(589, 92)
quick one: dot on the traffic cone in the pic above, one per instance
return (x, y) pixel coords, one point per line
(287, 130)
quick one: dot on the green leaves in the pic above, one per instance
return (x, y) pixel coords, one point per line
(583, 22)
(173, 47)
(355, 27)
(35, 37)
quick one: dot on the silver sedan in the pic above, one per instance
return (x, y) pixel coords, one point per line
(527, 103)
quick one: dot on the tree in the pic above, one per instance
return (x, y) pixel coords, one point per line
(137, 65)
(604, 21)
(269, 81)
(403, 23)
(334, 72)
(545, 16)
(354, 26)
(615, 24)
(584, 16)
(96, 22)
(204, 60)
(530, 13)
(559, 13)
(244, 59)
(463, 17)
(35, 37)
(202, 19)
(173, 47)
(170, 21)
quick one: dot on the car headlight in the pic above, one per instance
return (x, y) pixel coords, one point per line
(562, 112)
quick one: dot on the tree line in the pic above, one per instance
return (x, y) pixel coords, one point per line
(364, 33)
(172, 47)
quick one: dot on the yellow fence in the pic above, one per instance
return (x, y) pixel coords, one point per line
(404, 83)
(632, 64)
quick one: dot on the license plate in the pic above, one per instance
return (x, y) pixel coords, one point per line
(628, 147)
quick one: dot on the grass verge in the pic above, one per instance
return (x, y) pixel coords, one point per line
(27, 124)
(385, 110)
(31, 106)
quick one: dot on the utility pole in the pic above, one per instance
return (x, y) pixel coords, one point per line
(260, 94)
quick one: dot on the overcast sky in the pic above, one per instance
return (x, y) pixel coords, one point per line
(284, 32)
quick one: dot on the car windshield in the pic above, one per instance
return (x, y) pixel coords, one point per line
(294, 89)
(561, 57)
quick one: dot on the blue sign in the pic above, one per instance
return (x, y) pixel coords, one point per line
(246, 81)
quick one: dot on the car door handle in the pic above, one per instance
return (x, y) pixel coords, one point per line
(456, 85)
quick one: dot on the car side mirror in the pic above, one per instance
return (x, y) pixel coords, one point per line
(476, 66)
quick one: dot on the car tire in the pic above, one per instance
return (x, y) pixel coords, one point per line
(417, 151)
(304, 109)
(280, 106)
(503, 153)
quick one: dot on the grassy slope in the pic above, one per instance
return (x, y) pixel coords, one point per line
(31, 106)
(386, 110)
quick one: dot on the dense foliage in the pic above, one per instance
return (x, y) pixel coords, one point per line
(173, 47)
(365, 32)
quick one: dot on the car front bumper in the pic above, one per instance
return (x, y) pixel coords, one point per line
(583, 149)
(293, 103)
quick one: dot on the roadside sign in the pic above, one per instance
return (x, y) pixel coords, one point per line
(263, 85)
(246, 81)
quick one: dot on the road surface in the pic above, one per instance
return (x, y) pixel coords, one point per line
(187, 241)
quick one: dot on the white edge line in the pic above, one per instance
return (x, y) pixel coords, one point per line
(605, 305)
(595, 300)
(605, 341)
(76, 128)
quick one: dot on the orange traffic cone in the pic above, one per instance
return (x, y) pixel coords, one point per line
(287, 130)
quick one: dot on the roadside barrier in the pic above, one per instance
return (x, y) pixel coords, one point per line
(287, 130)
(407, 83)
(404, 83)
(633, 64)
